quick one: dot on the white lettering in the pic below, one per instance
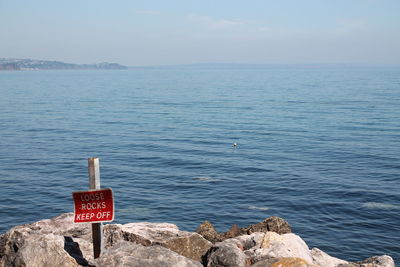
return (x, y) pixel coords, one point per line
(91, 197)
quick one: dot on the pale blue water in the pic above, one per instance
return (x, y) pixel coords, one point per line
(319, 147)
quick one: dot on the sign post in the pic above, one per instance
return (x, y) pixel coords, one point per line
(95, 206)
(94, 183)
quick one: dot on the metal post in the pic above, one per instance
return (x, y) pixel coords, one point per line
(94, 183)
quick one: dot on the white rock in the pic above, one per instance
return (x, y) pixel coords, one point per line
(284, 246)
(253, 241)
(377, 261)
(323, 259)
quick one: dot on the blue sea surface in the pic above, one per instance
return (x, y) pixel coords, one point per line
(317, 146)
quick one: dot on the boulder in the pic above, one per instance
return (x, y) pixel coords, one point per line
(378, 261)
(207, 230)
(323, 259)
(40, 242)
(271, 224)
(375, 261)
(233, 232)
(283, 246)
(191, 245)
(258, 247)
(60, 242)
(225, 254)
(247, 242)
(284, 262)
(42, 250)
(269, 239)
(60, 225)
(128, 254)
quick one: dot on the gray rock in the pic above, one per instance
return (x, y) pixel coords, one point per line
(42, 250)
(284, 262)
(247, 242)
(191, 245)
(60, 242)
(375, 261)
(128, 254)
(225, 254)
(323, 259)
(283, 246)
(50, 238)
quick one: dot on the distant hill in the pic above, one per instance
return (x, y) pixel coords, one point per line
(30, 64)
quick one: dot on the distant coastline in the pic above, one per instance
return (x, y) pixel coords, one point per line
(31, 64)
(14, 64)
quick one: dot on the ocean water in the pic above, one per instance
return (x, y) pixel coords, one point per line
(318, 146)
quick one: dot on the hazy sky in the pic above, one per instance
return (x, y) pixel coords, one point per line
(202, 31)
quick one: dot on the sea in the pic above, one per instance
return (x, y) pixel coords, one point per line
(318, 145)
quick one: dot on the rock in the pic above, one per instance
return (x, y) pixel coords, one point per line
(323, 259)
(60, 242)
(258, 247)
(112, 235)
(207, 230)
(60, 225)
(283, 246)
(233, 232)
(284, 262)
(43, 250)
(130, 254)
(269, 239)
(273, 224)
(265, 263)
(191, 245)
(50, 238)
(247, 242)
(376, 261)
(225, 254)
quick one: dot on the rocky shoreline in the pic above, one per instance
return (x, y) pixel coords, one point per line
(60, 242)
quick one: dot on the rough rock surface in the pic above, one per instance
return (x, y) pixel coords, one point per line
(323, 259)
(246, 242)
(280, 246)
(126, 254)
(60, 242)
(284, 262)
(375, 261)
(207, 230)
(44, 241)
(225, 254)
(45, 250)
(271, 224)
(191, 245)
(257, 247)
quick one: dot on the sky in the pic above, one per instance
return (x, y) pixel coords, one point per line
(167, 32)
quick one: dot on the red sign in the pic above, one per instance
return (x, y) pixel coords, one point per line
(93, 206)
